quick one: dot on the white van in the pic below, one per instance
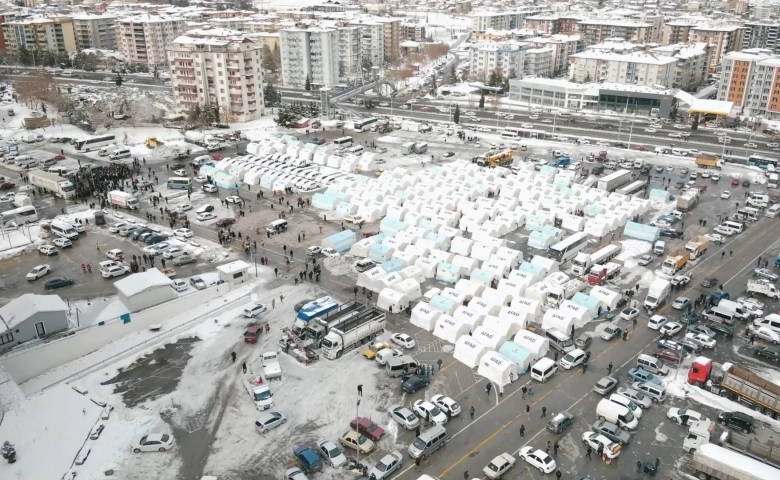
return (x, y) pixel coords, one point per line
(559, 341)
(356, 150)
(621, 416)
(120, 153)
(658, 247)
(737, 227)
(771, 321)
(64, 230)
(47, 163)
(635, 409)
(652, 364)
(772, 211)
(542, 370)
(24, 160)
(106, 150)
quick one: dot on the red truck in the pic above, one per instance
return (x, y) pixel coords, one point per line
(599, 274)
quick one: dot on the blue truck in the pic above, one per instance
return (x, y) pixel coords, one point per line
(561, 162)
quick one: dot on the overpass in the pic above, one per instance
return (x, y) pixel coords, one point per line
(362, 89)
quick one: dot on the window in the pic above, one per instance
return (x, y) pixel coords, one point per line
(6, 338)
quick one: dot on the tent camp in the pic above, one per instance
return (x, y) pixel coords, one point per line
(514, 316)
(393, 300)
(547, 263)
(371, 279)
(609, 299)
(360, 249)
(523, 279)
(580, 314)
(469, 288)
(448, 273)
(488, 337)
(525, 304)
(341, 242)
(482, 251)
(592, 304)
(468, 351)
(450, 329)
(497, 369)
(409, 287)
(554, 318)
(414, 272)
(491, 295)
(391, 279)
(424, 316)
(536, 344)
(461, 246)
(443, 304)
(503, 326)
(509, 287)
(468, 316)
(427, 266)
(465, 264)
(517, 355)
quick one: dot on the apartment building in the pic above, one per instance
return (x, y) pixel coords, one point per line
(597, 31)
(350, 52)
(761, 35)
(677, 31)
(219, 68)
(142, 39)
(393, 35)
(739, 81)
(538, 62)
(95, 31)
(372, 36)
(691, 68)
(51, 34)
(763, 98)
(724, 38)
(764, 12)
(413, 31)
(310, 52)
(634, 68)
(483, 20)
(561, 47)
(505, 58)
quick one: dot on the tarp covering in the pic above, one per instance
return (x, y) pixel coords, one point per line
(536, 344)
(497, 368)
(554, 318)
(488, 337)
(468, 351)
(424, 316)
(443, 304)
(517, 355)
(640, 231)
(450, 329)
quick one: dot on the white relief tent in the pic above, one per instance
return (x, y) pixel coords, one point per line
(488, 337)
(525, 304)
(372, 279)
(423, 316)
(504, 326)
(497, 368)
(470, 317)
(468, 351)
(553, 318)
(450, 329)
(536, 344)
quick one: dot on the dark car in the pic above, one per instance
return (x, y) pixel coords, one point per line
(709, 282)
(415, 382)
(138, 232)
(620, 145)
(309, 460)
(225, 222)
(668, 355)
(721, 329)
(177, 166)
(597, 169)
(6, 186)
(679, 185)
(298, 306)
(583, 341)
(367, 427)
(155, 239)
(58, 282)
(770, 353)
(612, 432)
(737, 421)
(561, 422)
(668, 232)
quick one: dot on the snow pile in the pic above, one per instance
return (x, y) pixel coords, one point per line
(341, 265)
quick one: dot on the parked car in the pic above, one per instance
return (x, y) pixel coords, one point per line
(403, 340)
(58, 282)
(499, 466)
(537, 459)
(737, 421)
(38, 272)
(404, 417)
(356, 441)
(768, 352)
(153, 442)
(612, 432)
(684, 416)
(386, 466)
(642, 375)
(367, 427)
(605, 385)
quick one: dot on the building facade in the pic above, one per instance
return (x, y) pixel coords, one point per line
(52, 34)
(749, 80)
(761, 35)
(142, 39)
(561, 47)
(723, 38)
(350, 52)
(311, 53)
(219, 68)
(505, 58)
(691, 68)
(538, 62)
(95, 31)
(634, 68)
(597, 31)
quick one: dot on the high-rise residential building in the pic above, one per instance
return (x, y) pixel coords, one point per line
(677, 31)
(372, 39)
(723, 38)
(634, 68)
(393, 36)
(143, 38)
(597, 31)
(51, 34)
(350, 52)
(691, 68)
(561, 46)
(482, 20)
(740, 82)
(538, 62)
(763, 98)
(219, 68)
(761, 35)
(506, 59)
(95, 31)
(413, 31)
(312, 53)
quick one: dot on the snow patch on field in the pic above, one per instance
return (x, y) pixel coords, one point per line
(338, 266)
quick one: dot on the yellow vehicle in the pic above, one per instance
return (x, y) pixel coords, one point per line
(500, 159)
(370, 352)
(152, 142)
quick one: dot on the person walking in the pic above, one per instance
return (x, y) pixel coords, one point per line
(417, 462)
(439, 362)
(544, 412)
(488, 387)
(522, 431)
(584, 368)
(527, 408)
(609, 368)
(558, 475)
(555, 448)
(524, 389)
(243, 367)
(233, 355)
(466, 475)
(587, 454)
(273, 303)
(417, 430)
(360, 390)
(639, 466)
(471, 411)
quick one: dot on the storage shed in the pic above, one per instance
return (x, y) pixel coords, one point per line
(143, 290)
(497, 368)
(31, 316)
(468, 351)
(234, 273)
(424, 316)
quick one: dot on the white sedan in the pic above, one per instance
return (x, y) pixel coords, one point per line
(751, 145)
(651, 130)
(201, 179)
(62, 242)
(404, 416)
(537, 459)
(115, 227)
(233, 199)
(183, 232)
(403, 340)
(723, 230)
(154, 442)
(38, 272)
(115, 271)
(704, 340)
(725, 195)
(675, 135)
(768, 334)
(180, 172)
(498, 466)
(184, 207)
(332, 453)
(329, 252)
(595, 440)
(629, 314)
(173, 252)
(446, 404)
(684, 416)
(430, 412)
(671, 328)
(205, 216)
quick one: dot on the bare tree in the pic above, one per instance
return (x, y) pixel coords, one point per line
(36, 89)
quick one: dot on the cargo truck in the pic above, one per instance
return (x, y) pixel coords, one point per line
(763, 287)
(614, 180)
(676, 261)
(52, 183)
(557, 294)
(344, 319)
(701, 433)
(318, 308)
(712, 462)
(583, 261)
(338, 341)
(687, 200)
(697, 247)
(708, 161)
(123, 200)
(272, 369)
(738, 384)
(599, 274)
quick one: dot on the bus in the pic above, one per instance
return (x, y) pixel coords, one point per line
(343, 142)
(522, 132)
(568, 248)
(21, 215)
(508, 134)
(95, 143)
(762, 162)
(365, 124)
(183, 183)
(632, 187)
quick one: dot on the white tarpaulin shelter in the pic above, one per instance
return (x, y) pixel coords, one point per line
(484, 307)
(423, 316)
(491, 295)
(360, 249)
(482, 251)
(608, 298)
(549, 264)
(450, 329)
(470, 288)
(514, 316)
(393, 301)
(503, 326)
(536, 344)
(413, 272)
(409, 287)
(497, 369)
(523, 279)
(580, 314)
(488, 337)
(461, 246)
(372, 279)
(524, 304)
(466, 264)
(468, 351)
(427, 266)
(538, 292)
(470, 317)
(391, 279)
(509, 287)
(555, 319)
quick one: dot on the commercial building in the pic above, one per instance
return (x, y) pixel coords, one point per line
(142, 39)
(311, 53)
(219, 68)
(51, 34)
(505, 58)
(635, 68)
(95, 31)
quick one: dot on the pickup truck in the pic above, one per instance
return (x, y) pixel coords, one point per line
(356, 219)
(272, 369)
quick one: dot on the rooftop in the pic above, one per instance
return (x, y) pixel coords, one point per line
(140, 282)
(21, 308)
(233, 267)
(633, 57)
